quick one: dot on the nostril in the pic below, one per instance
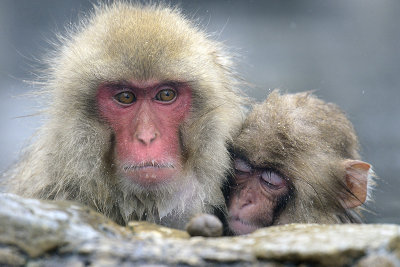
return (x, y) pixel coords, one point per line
(154, 137)
(146, 138)
(245, 203)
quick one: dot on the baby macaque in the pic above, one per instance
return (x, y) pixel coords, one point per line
(296, 160)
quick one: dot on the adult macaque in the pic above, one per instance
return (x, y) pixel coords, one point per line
(296, 160)
(141, 107)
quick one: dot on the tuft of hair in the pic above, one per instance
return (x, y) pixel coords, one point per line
(306, 139)
(72, 156)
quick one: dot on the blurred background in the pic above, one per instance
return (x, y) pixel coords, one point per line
(347, 51)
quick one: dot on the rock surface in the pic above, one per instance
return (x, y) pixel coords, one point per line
(45, 233)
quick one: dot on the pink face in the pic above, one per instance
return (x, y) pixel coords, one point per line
(254, 197)
(145, 118)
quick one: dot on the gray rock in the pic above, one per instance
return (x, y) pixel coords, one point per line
(50, 233)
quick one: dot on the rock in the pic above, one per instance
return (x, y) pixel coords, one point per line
(144, 229)
(11, 256)
(50, 233)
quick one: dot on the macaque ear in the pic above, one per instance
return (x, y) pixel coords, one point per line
(356, 178)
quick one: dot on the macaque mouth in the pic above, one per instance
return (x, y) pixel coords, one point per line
(150, 173)
(148, 165)
(241, 227)
(236, 218)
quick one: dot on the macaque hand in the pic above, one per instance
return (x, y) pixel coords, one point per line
(206, 225)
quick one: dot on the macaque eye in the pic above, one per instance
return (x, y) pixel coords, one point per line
(242, 166)
(166, 95)
(125, 98)
(272, 179)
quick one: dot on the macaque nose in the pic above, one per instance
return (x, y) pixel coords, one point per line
(245, 202)
(146, 136)
(246, 198)
(146, 130)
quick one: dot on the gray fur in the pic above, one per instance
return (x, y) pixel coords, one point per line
(72, 155)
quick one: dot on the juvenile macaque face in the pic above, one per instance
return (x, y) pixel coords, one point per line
(256, 197)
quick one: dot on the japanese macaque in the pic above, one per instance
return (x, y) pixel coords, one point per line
(141, 106)
(296, 160)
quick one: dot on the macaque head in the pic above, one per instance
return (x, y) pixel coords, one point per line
(296, 161)
(142, 104)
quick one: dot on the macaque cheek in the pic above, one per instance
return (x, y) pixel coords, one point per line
(249, 213)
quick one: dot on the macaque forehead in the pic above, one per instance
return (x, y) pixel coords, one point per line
(262, 148)
(295, 126)
(138, 24)
(140, 42)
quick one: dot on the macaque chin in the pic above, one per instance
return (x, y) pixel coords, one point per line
(296, 161)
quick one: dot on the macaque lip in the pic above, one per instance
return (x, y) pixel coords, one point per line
(148, 165)
(240, 227)
(150, 173)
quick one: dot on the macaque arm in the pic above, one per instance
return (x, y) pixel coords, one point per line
(356, 178)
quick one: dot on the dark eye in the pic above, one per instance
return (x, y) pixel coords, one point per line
(166, 95)
(125, 98)
(272, 179)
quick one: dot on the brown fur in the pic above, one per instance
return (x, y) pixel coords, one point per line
(71, 157)
(306, 140)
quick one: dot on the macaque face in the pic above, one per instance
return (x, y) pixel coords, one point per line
(142, 106)
(255, 197)
(145, 119)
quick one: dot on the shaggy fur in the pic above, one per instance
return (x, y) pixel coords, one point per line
(72, 156)
(306, 140)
